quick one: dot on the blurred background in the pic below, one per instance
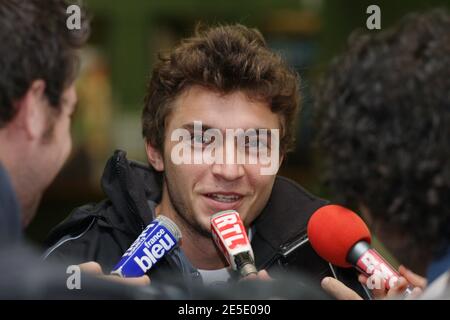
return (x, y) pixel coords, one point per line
(126, 38)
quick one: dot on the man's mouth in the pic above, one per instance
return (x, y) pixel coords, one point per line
(225, 198)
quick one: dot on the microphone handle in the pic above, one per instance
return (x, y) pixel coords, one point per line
(369, 262)
(245, 264)
(357, 252)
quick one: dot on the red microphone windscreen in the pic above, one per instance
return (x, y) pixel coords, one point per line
(333, 230)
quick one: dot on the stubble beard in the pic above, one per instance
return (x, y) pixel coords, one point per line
(183, 211)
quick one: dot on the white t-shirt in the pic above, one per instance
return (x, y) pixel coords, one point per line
(216, 277)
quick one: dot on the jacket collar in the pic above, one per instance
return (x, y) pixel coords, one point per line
(129, 185)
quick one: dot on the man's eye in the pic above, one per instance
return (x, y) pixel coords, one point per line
(263, 143)
(202, 139)
(252, 143)
(255, 143)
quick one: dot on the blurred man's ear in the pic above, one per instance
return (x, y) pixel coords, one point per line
(31, 110)
(154, 157)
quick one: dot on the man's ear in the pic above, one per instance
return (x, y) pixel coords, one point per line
(32, 113)
(154, 157)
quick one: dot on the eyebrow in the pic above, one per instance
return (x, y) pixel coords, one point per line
(190, 127)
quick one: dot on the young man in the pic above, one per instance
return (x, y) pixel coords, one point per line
(385, 127)
(37, 99)
(223, 78)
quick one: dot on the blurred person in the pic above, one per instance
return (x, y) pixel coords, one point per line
(38, 63)
(384, 118)
(225, 77)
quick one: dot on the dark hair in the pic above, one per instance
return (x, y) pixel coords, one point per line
(35, 43)
(223, 59)
(385, 126)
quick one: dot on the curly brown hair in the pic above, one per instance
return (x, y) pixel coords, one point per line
(223, 59)
(385, 127)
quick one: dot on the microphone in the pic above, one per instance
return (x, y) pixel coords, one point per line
(341, 237)
(230, 236)
(159, 238)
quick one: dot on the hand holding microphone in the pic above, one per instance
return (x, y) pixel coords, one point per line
(94, 269)
(341, 237)
(230, 236)
(160, 237)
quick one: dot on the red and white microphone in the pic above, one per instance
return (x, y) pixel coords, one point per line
(229, 233)
(342, 238)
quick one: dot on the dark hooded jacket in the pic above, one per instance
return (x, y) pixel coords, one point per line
(102, 232)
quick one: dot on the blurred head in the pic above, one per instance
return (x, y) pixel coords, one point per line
(37, 96)
(385, 130)
(226, 78)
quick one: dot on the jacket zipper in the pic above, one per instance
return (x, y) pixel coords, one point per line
(129, 201)
(288, 248)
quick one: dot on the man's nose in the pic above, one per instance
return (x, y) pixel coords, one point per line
(228, 171)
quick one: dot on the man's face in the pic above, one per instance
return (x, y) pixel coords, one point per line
(50, 150)
(197, 191)
(56, 143)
